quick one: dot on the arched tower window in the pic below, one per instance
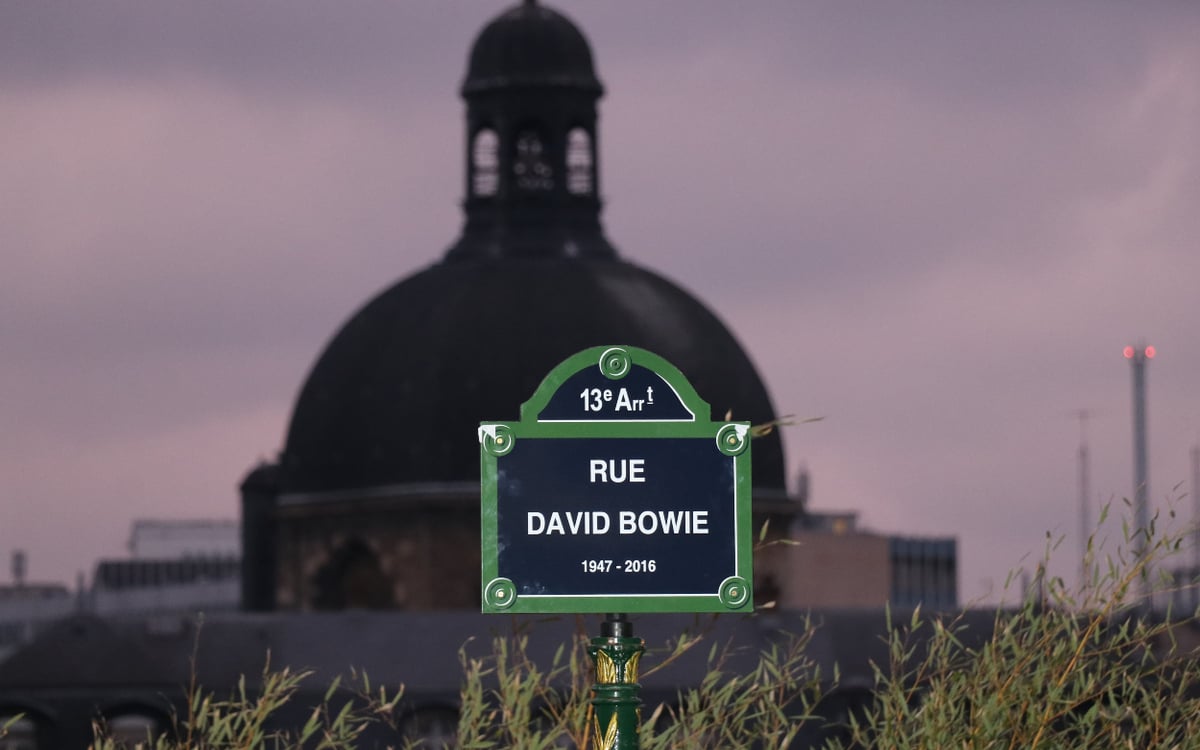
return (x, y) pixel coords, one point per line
(531, 167)
(579, 162)
(352, 578)
(485, 163)
(21, 734)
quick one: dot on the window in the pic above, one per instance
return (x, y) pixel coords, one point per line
(352, 578)
(432, 728)
(485, 163)
(133, 730)
(530, 167)
(579, 162)
(20, 735)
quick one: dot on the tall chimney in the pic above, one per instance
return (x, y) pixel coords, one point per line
(1138, 356)
(18, 567)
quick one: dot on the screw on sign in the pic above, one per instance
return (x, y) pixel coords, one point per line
(615, 493)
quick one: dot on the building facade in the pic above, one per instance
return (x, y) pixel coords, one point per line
(374, 500)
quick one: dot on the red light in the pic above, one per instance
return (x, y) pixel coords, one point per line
(1149, 352)
(1129, 352)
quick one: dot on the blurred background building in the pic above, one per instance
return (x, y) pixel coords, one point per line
(370, 514)
(374, 499)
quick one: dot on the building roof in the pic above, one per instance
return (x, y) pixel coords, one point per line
(530, 45)
(84, 651)
(142, 573)
(418, 649)
(398, 394)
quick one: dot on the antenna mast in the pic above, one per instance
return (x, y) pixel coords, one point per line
(1195, 511)
(1085, 494)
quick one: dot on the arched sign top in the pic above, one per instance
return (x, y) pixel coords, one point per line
(615, 384)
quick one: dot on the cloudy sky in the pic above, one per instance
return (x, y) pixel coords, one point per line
(936, 224)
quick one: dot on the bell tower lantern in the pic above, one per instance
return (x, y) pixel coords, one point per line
(532, 177)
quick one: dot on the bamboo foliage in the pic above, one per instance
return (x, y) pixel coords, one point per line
(1085, 668)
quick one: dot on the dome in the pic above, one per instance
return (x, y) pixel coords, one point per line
(530, 45)
(398, 394)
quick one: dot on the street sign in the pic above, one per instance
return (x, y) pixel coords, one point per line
(615, 492)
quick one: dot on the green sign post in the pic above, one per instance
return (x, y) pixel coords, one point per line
(615, 493)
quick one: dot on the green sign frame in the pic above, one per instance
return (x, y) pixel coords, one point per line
(597, 403)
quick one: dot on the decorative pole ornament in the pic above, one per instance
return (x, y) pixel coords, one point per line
(616, 694)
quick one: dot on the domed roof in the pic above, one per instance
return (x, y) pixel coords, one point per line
(530, 45)
(398, 394)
